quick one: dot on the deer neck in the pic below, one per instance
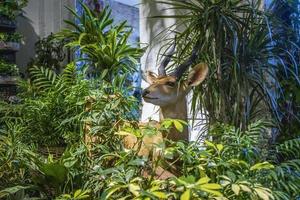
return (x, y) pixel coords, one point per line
(177, 110)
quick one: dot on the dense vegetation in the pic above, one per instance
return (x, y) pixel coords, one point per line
(62, 138)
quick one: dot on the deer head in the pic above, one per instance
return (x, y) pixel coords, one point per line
(168, 89)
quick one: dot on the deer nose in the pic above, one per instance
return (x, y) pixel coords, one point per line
(145, 92)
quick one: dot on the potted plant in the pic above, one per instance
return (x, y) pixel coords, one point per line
(10, 41)
(10, 9)
(8, 73)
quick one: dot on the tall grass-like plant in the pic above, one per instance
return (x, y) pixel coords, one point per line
(103, 45)
(287, 16)
(243, 52)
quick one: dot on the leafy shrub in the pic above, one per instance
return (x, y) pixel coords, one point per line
(244, 51)
(209, 171)
(12, 8)
(90, 118)
(49, 53)
(11, 37)
(8, 68)
(103, 46)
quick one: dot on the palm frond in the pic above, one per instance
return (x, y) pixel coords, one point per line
(42, 78)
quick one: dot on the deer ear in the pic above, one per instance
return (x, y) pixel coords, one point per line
(197, 74)
(149, 76)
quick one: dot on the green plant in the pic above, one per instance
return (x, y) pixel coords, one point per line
(102, 45)
(78, 194)
(237, 42)
(49, 53)
(8, 68)
(12, 8)
(286, 13)
(12, 37)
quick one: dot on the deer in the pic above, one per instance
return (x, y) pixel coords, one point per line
(169, 93)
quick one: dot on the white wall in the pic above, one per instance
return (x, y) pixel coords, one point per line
(149, 29)
(41, 18)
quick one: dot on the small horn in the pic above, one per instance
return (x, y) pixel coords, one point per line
(166, 60)
(186, 64)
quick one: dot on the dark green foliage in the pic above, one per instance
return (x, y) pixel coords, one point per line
(244, 51)
(12, 8)
(239, 168)
(90, 118)
(50, 53)
(8, 69)
(10, 37)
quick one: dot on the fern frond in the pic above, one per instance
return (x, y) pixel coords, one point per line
(67, 78)
(69, 74)
(43, 78)
(290, 148)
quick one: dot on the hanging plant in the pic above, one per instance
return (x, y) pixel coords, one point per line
(10, 41)
(12, 8)
(8, 69)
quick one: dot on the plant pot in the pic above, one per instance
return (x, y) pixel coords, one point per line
(8, 80)
(6, 22)
(12, 46)
(8, 87)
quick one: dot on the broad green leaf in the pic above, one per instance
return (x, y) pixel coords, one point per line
(210, 144)
(186, 180)
(263, 194)
(178, 126)
(236, 189)
(186, 195)
(264, 165)
(220, 147)
(134, 189)
(77, 193)
(213, 192)
(203, 180)
(245, 188)
(12, 190)
(160, 195)
(211, 186)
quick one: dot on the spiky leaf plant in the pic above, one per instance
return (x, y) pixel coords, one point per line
(244, 53)
(103, 45)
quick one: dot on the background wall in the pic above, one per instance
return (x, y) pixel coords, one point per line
(150, 29)
(41, 18)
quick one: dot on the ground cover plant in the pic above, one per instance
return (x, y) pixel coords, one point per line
(89, 112)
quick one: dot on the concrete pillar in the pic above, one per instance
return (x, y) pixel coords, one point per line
(149, 31)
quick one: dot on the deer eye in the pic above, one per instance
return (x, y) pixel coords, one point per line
(169, 83)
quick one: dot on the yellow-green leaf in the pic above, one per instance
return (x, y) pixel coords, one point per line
(186, 195)
(263, 194)
(212, 186)
(236, 189)
(203, 180)
(263, 165)
(210, 144)
(160, 195)
(178, 126)
(245, 188)
(134, 189)
(220, 147)
(213, 192)
(77, 193)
